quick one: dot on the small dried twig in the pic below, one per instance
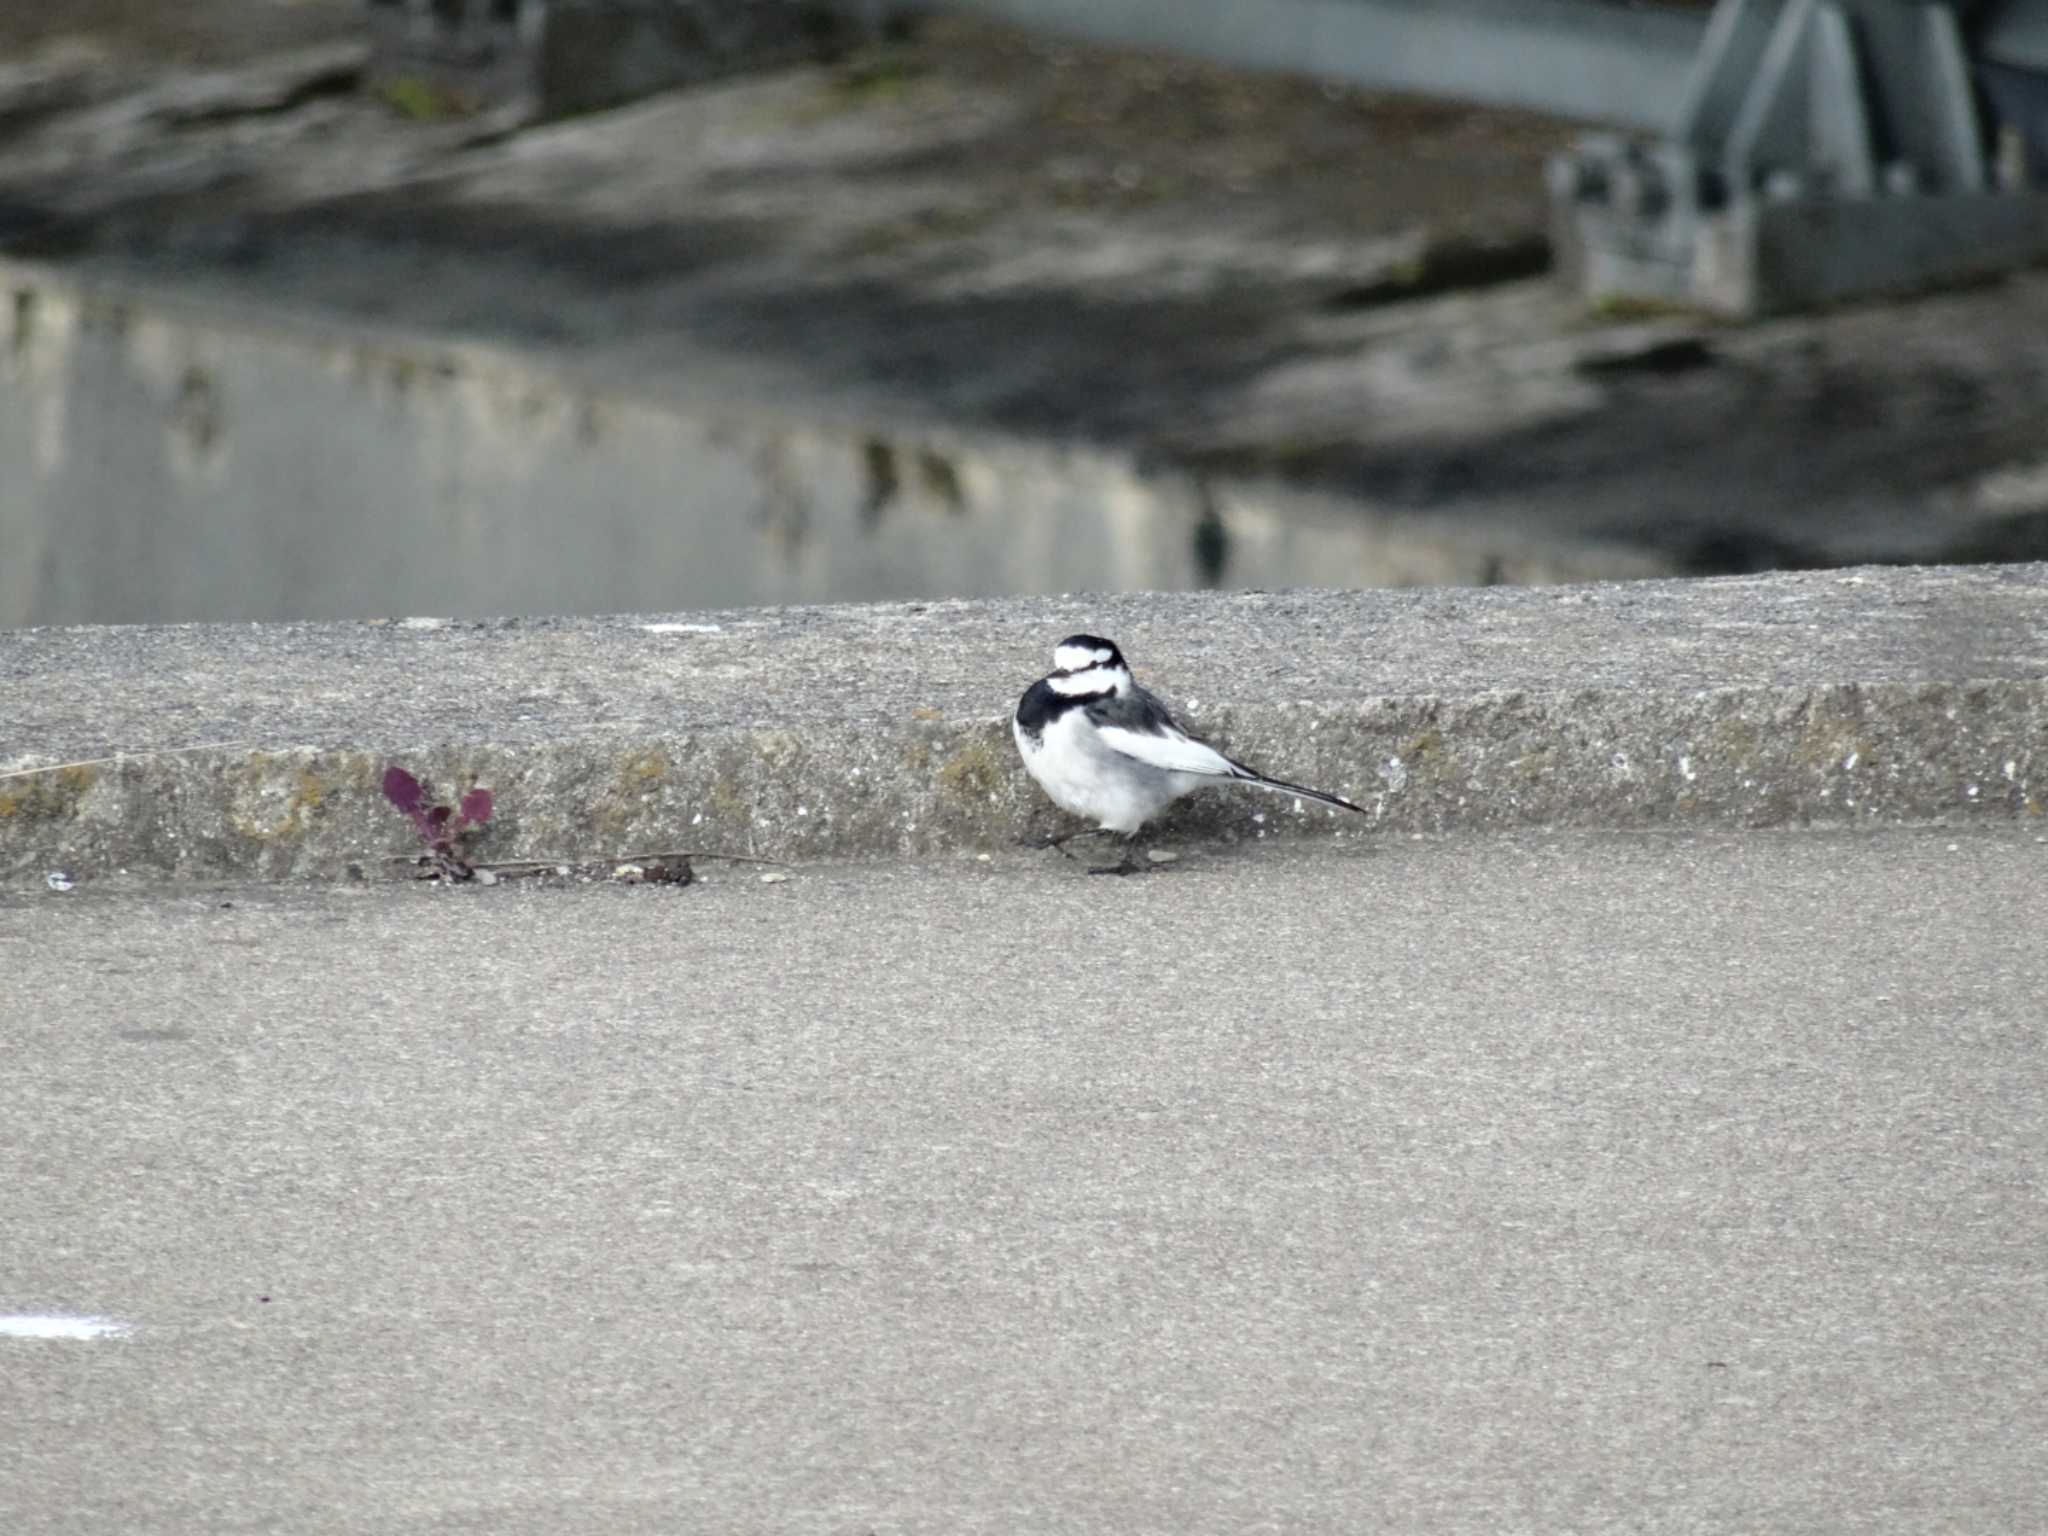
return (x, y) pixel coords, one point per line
(692, 853)
(123, 757)
(579, 863)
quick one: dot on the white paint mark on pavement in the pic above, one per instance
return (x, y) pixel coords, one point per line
(47, 1325)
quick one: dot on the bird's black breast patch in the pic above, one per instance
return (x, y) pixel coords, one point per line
(1042, 704)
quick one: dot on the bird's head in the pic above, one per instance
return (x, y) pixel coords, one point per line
(1088, 664)
(1077, 653)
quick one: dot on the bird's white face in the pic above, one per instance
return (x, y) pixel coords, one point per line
(1069, 657)
(1085, 665)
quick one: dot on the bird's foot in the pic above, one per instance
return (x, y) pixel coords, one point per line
(1129, 864)
(1058, 841)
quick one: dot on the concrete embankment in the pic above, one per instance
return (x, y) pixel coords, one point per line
(1876, 696)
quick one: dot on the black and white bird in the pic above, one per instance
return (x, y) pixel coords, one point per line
(1105, 748)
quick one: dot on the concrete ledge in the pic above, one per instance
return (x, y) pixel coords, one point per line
(1867, 696)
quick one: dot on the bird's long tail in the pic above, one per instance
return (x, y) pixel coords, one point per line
(1252, 776)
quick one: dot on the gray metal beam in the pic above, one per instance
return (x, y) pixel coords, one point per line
(1593, 59)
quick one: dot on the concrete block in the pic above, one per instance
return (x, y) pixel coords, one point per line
(550, 58)
(1848, 698)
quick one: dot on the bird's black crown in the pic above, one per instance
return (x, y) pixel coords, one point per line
(1076, 653)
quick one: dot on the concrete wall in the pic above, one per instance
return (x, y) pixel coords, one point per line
(1849, 698)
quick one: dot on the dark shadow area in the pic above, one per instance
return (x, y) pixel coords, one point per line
(1664, 358)
(1448, 266)
(2003, 542)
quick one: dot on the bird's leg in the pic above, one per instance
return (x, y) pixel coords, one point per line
(1060, 840)
(1129, 864)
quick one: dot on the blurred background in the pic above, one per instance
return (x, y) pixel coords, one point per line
(347, 308)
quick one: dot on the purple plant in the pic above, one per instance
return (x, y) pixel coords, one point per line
(439, 826)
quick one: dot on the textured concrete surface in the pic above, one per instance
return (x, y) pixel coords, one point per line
(1850, 697)
(1580, 1183)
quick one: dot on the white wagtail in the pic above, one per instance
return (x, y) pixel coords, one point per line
(1107, 749)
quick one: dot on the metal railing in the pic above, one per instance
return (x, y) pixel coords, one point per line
(1598, 60)
(1770, 154)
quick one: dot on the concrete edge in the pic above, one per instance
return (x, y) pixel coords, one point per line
(1853, 754)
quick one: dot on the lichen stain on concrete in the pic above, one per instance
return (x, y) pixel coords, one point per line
(1830, 736)
(1732, 740)
(309, 793)
(52, 796)
(1426, 747)
(261, 778)
(778, 749)
(727, 799)
(972, 773)
(635, 780)
(643, 769)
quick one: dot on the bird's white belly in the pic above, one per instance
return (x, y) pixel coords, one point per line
(1117, 793)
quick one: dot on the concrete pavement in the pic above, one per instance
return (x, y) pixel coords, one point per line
(1555, 1182)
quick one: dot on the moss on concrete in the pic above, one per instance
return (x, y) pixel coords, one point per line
(51, 796)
